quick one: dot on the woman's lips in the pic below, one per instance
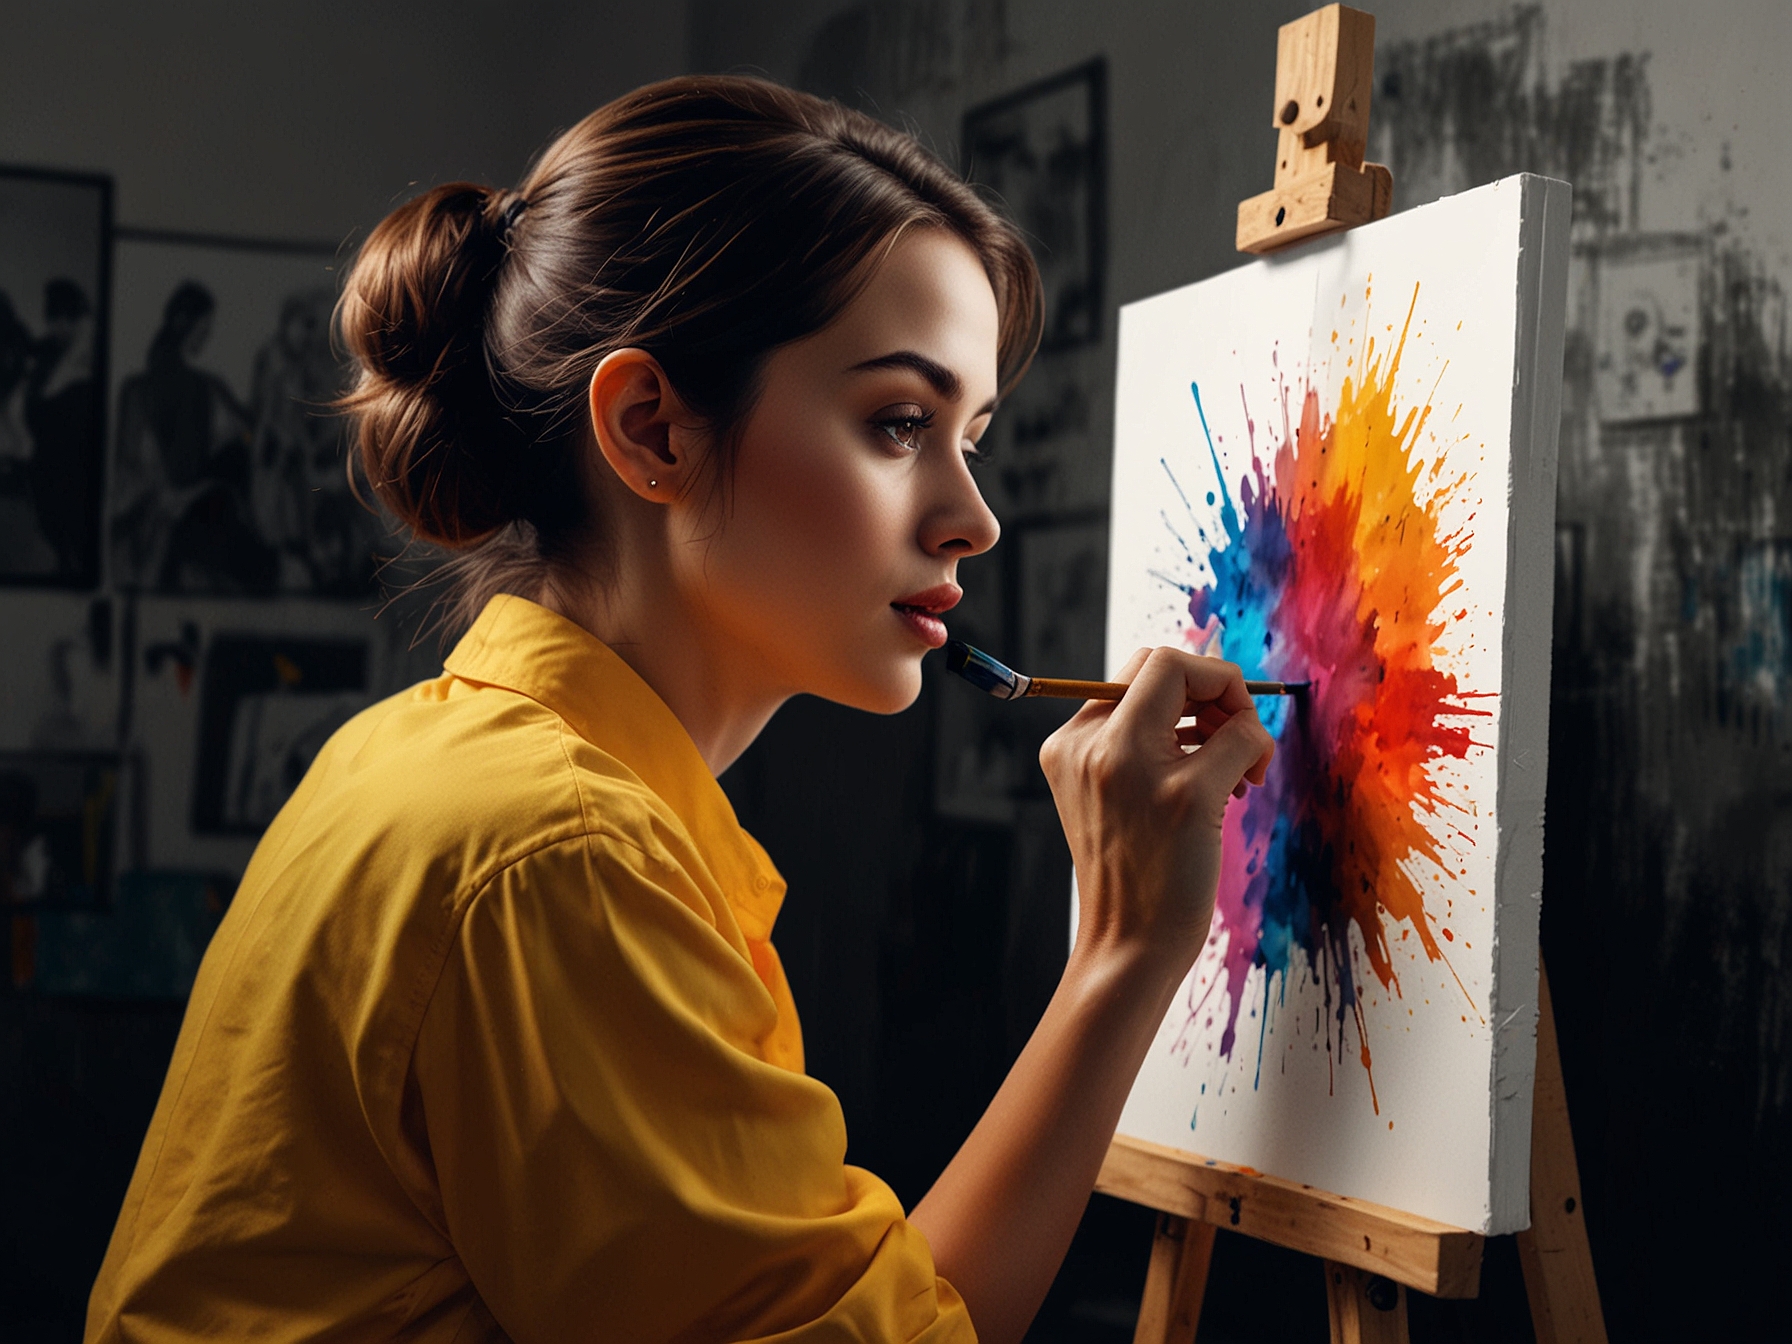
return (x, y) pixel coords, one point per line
(928, 628)
(940, 597)
(922, 611)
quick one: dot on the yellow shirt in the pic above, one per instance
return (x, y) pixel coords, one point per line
(492, 1044)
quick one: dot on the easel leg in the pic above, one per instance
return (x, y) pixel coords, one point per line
(1558, 1262)
(1176, 1282)
(1365, 1308)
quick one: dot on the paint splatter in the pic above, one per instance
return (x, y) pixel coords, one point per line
(1335, 568)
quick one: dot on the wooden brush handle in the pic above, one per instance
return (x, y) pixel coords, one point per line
(1060, 688)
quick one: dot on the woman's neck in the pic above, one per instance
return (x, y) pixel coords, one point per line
(651, 628)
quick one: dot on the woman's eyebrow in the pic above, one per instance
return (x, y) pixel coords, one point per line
(938, 376)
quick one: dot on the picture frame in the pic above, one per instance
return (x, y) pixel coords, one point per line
(56, 237)
(1041, 152)
(1649, 336)
(1062, 566)
(268, 703)
(228, 458)
(977, 753)
(59, 662)
(58, 829)
(212, 755)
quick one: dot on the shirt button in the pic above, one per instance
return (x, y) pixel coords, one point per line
(762, 881)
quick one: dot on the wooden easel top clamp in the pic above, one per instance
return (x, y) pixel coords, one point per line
(1325, 72)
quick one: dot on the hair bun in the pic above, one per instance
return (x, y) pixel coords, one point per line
(433, 436)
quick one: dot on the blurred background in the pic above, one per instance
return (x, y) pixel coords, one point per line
(189, 600)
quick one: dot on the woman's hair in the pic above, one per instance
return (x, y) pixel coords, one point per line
(706, 219)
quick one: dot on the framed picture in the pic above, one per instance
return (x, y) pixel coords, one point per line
(1047, 456)
(58, 828)
(977, 748)
(55, 250)
(228, 471)
(1647, 365)
(1040, 150)
(59, 664)
(980, 747)
(230, 700)
(1063, 596)
(267, 705)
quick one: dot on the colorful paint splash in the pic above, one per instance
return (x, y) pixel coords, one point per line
(1335, 568)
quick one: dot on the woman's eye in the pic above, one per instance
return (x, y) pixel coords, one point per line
(975, 455)
(905, 432)
(905, 426)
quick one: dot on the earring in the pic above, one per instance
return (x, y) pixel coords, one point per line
(653, 485)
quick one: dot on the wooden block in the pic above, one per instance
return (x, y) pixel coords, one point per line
(1433, 1257)
(1325, 69)
(1335, 197)
(1365, 1308)
(1557, 1259)
(1296, 160)
(1325, 73)
(1381, 179)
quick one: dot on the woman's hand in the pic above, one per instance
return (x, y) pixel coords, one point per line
(1143, 799)
(1142, 796)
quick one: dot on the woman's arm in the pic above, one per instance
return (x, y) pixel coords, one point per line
(1143, 816)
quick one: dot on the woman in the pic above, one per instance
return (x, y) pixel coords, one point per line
(183, 465)
(493, 1041)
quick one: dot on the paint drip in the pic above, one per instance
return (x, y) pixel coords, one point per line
(1336, 567)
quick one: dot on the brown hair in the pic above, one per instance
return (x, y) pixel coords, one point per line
(706, 219)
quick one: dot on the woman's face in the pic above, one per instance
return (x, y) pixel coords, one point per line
(852, 500)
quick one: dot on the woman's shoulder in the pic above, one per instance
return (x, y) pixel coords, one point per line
(479, 778)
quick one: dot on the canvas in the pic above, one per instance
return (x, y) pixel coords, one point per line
(1338, 465)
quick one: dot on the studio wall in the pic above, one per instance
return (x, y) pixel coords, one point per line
(247, 150)
(1667, 919)
(925, 925)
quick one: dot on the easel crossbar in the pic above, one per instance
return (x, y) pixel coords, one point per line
(1433, 1257)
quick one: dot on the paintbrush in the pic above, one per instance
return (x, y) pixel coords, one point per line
(1003, 682)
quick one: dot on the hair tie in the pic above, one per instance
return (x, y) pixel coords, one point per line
(512, 213)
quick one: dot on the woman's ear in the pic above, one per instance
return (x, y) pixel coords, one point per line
(642, 428)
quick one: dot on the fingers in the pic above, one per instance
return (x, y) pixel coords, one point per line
(1206, 720)
(1133, 664)
(1100, 709)
(1168, 681)
(1239, 750)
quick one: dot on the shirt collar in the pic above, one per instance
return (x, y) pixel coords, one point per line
(526, 648)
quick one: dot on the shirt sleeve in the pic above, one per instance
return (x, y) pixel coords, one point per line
(615, 1160)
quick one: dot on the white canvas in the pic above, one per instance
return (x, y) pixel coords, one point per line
(1363, 1016)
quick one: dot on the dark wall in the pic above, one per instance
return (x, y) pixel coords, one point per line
(1667, 914)
(923, 941)
(922, 945)
(250, 127)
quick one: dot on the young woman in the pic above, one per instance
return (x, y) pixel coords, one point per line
(493, 1042)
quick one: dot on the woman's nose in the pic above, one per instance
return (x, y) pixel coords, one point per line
(960, 523)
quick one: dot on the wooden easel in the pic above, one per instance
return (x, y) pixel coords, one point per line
(1372, 1254)
(1324, 73)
